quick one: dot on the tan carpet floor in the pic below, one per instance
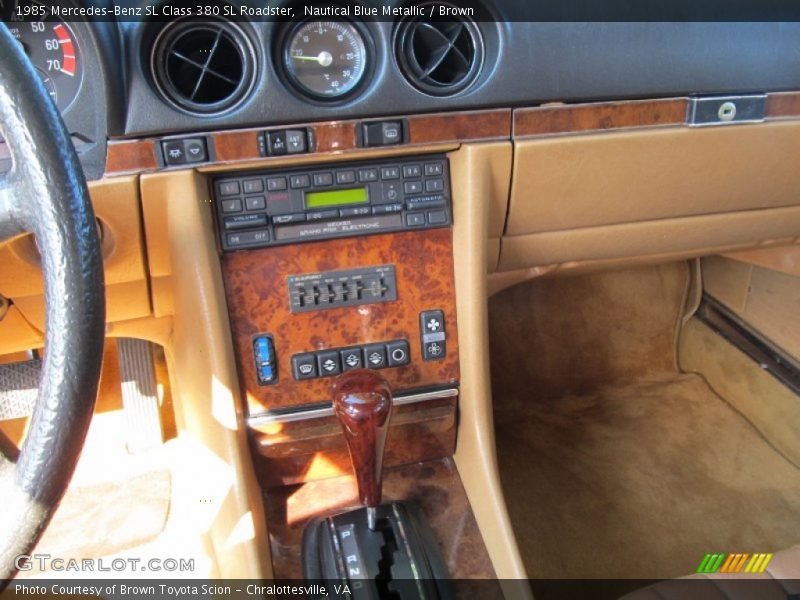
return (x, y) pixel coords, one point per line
(615, 465)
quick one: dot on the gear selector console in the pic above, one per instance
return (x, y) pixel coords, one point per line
(383, 550)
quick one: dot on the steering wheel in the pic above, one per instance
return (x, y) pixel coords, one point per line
(45, 194)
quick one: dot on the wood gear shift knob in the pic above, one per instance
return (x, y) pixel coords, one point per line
(362, 401)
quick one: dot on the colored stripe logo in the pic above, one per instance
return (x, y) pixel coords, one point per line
(738, 562)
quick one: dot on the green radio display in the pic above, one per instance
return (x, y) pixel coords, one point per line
(336, 198)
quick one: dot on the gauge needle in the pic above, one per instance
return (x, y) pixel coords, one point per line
(324, 58)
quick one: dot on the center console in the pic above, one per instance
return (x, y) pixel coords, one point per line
(335, 272)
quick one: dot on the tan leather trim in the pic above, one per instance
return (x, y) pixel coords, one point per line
(116, 205)
(785, 259)
(579, 181)
(653, 240)
(473, 182)
(767, 300)
(202, 370)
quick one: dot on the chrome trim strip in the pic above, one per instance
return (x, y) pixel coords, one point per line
(318, 413)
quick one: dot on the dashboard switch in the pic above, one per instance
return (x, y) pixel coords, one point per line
(304, 366)
(195, 149)
(174, 154)
(432, 334)
(397, 353)
(382, 133)
(296, 141)
(328, 363)
(352, 358)
(375, 355)
(264, 352)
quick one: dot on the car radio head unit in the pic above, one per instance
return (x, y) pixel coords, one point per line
(269, 208)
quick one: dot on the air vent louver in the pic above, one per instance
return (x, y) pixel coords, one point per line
(440, 57)
(203, 67)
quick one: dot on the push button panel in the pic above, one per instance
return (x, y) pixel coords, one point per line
(333, 200)
(327, 363)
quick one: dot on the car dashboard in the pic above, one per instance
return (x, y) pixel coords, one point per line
(283, 199)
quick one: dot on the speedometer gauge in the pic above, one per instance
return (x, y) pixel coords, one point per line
(51, 47)
(325, 59)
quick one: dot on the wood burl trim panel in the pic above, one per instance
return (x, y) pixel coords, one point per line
(575, 118)
(330, 137)
(783, 105)
(301, 451)
(463, 126)
(258, 302)
(129, 156)
(434, 486)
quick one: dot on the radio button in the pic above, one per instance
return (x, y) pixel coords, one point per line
(387, 208)
(276, 184)
(437, 217)
(290, 218)
(410, 171)
(323, 179)
(322, 214)
(245, 222)
(433, 169)
(391, 191)
(412, 187)
(345, 177)
(229, 188)
(231, 206)
(390, 172)
(253, 186)
(299, 181)
(434, 185)
(355, 212)
(365, 175)
(255, 203)
(415, 219)
(248, 238)
(425, 202)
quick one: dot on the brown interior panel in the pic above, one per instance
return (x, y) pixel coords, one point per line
(434, 486)
(651, 240)
(258, 303)
(312, 449)
(116, 205)
(572, 182)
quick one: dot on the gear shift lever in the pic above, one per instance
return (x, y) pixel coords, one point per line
(393, 554)
(362, 401)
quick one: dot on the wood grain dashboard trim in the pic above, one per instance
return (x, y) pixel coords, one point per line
(258, 303)
(331, 137)
(600, 116)
(335, 137)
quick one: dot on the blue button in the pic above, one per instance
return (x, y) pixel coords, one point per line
(263, 349)
(266, 373)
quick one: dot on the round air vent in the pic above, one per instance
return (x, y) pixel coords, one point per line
(203, 67)
(440, 57)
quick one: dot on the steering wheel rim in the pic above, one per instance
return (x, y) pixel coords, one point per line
(45, 193)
